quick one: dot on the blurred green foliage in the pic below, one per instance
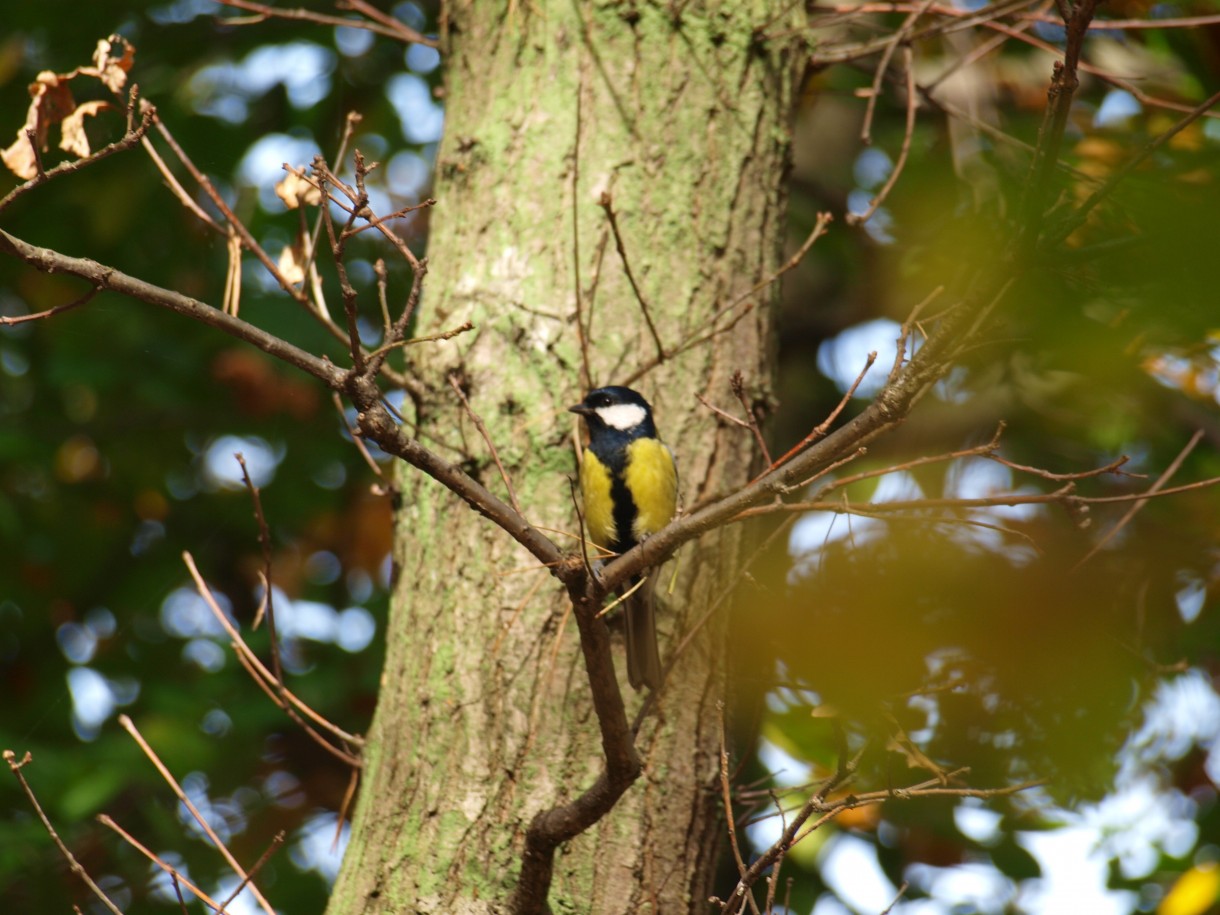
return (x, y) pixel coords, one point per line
(110, 421)
(984, 637)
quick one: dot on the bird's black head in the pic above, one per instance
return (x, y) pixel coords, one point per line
(617, 409)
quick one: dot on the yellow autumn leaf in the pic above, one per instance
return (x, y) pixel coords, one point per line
(1194, 893)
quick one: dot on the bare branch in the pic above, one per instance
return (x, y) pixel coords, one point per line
(276, 842)
(129, 726)
(456, 383)
(726, 796)
(820, 429)
(173, 873)
(287, 700)
(85, 299)
(129, 140)
(104, 277)
(1157, 487)
(912, 106)
(75, 866)
(607, 204)
(899, 37)
(378, 22)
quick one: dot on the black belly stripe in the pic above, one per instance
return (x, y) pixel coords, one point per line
(624, 515)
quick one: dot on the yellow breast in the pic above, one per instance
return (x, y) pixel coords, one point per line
(650, 477)
(653, 482)
(599, 507)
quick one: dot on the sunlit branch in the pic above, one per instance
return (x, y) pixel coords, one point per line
(263, 674)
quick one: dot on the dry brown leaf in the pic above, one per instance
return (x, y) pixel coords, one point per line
(50, 102)
(290, 263)
(112, 70)
(74, 139)
(19, 158)
(296, 191)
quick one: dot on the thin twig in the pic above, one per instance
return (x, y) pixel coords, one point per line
(820, 227)
(901, 892)
(311, 248)
(464, 327)
(88, 297)
(607, 204)
(900, 36)
(581, 327)
(1113, 467)
(345, 806)
(855, 219)
(75, 866)
(456, 384)
(1140, 503)
(264, 542)
(1081, 213)
(690, 344)
(342, 756)
(177, 189)
(246, 236)
(1064, 82)
(127, 141)
(400, 28)
(723, 414)
(357, 440)
(726, 796)
(399, 31)
(1169, 22)
(1093, 70)
(738, 385)
(174, 882)
(276, 842)
(398, 331)
(129, 726)
(179, 879)
(243, 649)
(820, 429)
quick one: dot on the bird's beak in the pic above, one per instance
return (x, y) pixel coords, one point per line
(581, 409)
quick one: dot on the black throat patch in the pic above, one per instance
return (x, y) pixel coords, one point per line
(610, 446)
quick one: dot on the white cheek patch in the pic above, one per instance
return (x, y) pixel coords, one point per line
(622, 416)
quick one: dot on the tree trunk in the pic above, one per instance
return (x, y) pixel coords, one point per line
(484, 716)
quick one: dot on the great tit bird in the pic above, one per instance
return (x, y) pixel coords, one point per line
(629, 485)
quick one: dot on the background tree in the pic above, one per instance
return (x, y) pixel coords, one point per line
(973, 644)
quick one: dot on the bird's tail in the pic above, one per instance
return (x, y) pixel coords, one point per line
(643, 657)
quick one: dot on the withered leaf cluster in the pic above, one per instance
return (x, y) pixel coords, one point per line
(52, 102)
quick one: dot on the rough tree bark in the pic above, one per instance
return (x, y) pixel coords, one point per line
(680, 113)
